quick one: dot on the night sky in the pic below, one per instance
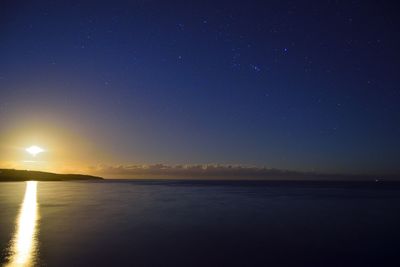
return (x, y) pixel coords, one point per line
(296, 85)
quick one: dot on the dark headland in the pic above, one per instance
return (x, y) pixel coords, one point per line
(11, 175)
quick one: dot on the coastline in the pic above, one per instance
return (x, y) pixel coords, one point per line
(12, 175)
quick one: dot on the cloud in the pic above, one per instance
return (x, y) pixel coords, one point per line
(214, 171)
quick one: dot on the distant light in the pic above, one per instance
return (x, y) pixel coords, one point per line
(34, 150)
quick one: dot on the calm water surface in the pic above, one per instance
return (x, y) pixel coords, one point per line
(143, 223)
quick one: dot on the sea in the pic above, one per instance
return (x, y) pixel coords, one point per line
(199, 223)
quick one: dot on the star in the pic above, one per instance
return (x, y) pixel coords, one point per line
(255, 68)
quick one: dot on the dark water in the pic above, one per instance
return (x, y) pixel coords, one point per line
(128, 223)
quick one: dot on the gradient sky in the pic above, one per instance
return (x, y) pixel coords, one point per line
(307, 86)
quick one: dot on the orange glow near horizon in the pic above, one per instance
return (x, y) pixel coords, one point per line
(49, 146)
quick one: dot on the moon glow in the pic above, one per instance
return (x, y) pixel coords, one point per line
(34, 150)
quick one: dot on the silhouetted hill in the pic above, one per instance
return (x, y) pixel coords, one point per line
(7, 175)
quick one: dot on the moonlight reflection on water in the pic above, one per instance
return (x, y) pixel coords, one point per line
(24, 243)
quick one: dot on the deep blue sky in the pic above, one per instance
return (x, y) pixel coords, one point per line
(301, 85)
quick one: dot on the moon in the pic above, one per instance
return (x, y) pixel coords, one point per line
(34, 150)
